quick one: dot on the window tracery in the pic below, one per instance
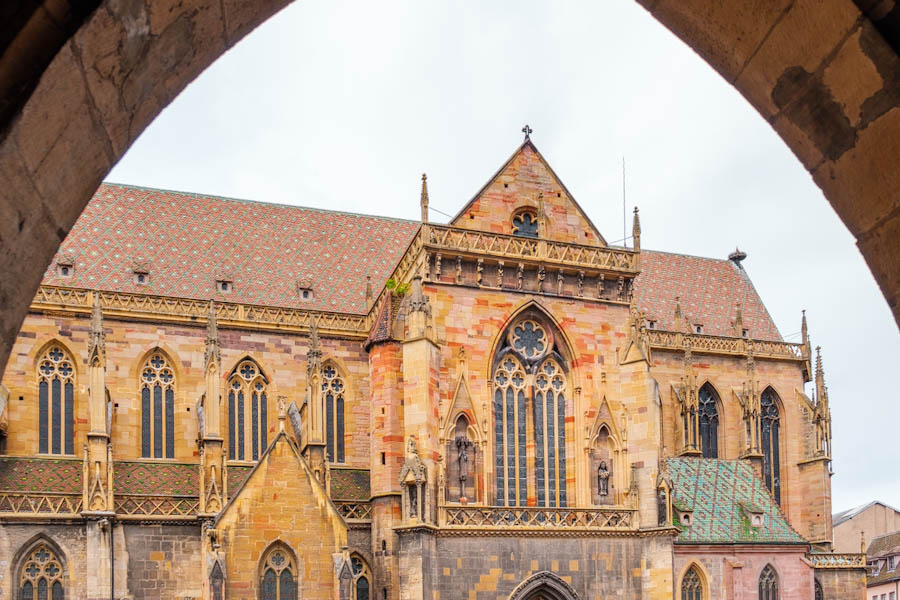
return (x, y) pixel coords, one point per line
(56, 402)
(333, 396)
(247, 411)
(217, 583)
(768, 584)
(529, 407)
(157, 407)
(42, 575)
(525, 224)
(362, 578)
(278, 575)
(770, 423)
(692, 585)
(707, 401)
(819, 594)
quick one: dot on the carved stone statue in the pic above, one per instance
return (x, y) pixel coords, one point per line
(603, 479)
(463, 444)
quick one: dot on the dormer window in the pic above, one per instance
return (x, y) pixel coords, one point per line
(305, 288)
(65, 267)
(524, 224)
(225, 286)
(745, 333)
(651, 324)
(698, 328)
(305, 293)
(141, 277)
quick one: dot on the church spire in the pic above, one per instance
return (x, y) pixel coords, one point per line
(423, 200)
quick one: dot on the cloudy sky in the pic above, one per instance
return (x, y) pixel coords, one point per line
(343, 105)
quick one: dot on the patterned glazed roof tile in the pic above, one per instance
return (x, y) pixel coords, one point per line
(40, 475)
(267, 250)
(161, 479)
(720, 493)
(190, 240)
(708, 288)
(350, 484)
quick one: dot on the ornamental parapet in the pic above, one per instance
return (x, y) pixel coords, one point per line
(837, 561)
(529, 250)
(354, 512)
(55, 299)
(143, 507)
(713, 344)
(40, 504)
(472, 517)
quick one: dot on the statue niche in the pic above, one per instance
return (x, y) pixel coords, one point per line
(603, 469)
(463, 464)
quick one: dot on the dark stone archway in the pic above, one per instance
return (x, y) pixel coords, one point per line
(825, 75)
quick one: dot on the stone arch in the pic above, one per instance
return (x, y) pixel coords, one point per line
(277, 559)
(34, 356)
(25, 550)
(702, 574)
(544, 313)
(544, 584)
(106, 81)
(170, 354)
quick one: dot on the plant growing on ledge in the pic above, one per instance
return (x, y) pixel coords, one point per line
(398, 289)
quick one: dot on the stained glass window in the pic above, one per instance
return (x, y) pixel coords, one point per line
(247, 411)
(217, 583)
(56, 402)
(333, 398)
(530, 405)
(42, 576)
(709, 421)
(278, 580)
(770, 424)
(361, 578)
(158, 415)
(525, 225)
(768, 584)
(691, 585)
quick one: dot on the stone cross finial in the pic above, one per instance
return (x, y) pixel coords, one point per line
(527, 131)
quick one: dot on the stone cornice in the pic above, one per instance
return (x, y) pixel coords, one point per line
(734, 346)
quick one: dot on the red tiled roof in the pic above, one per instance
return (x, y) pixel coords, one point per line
(191, 239)
(709, 288)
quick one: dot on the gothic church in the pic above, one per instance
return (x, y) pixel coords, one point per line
(216, 398)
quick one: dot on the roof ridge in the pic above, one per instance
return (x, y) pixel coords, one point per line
(250, 201)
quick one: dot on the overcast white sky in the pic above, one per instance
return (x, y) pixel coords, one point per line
(343, 105)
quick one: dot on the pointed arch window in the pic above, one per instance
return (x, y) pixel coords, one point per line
(278, 575)
(56, 402)
(42, 576)
(362, 579)
(217, 583)
(820, 595)
(768, 584)
(157, 407)
(247, 411)
(692, 585)
(707, 401)
(333, 397)
(770, 423)
(529, 374)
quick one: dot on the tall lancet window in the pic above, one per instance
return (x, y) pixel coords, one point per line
(707, 400)
(333, 397)
(56, 402)
(770, 424)
(768, 584)
(530, 405)
(247, 412)
(157, 407)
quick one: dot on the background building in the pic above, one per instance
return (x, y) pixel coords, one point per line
(220, 398)
(857, 527)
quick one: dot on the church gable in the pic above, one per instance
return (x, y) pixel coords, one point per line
(525, 197)
(281, 504)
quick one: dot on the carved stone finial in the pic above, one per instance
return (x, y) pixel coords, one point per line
(527, 131)
(97, 343)
(282, 412)
(804, 330)
(213, 352)
(636, 230)
(739, 320)
(369, 294)
(314, 353)
(679, 316)
(423, 200)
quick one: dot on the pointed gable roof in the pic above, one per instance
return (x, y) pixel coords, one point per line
(517, 183)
